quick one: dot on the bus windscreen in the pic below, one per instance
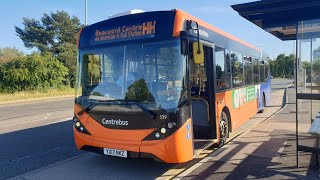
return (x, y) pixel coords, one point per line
(148, 73)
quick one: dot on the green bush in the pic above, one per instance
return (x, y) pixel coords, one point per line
(32, 72)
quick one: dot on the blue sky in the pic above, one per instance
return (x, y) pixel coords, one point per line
(217, 13)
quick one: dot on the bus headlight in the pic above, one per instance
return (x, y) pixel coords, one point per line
(79, 126)
(163, 130)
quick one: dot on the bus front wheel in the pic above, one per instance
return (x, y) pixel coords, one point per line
(224, 128)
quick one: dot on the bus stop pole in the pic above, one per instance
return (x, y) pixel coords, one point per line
(296, 89)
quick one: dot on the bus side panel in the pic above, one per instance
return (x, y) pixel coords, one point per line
(241, 113)
(221, 100)
(177, 148)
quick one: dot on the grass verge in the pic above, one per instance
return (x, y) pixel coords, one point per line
(26, 96)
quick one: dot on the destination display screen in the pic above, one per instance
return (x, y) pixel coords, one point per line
(143, 30)
(154, 26)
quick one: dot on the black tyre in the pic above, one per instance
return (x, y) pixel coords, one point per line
(224, 128)
(263, 104)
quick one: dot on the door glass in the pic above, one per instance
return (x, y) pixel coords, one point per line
(198, 77)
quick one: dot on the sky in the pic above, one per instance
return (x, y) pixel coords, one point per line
(217, 13)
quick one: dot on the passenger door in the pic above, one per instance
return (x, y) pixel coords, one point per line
(203, 95)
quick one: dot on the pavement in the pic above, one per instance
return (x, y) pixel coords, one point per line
(40, 146)
(265, 152)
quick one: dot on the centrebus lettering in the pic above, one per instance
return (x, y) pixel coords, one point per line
(118, 122)
(202, 32)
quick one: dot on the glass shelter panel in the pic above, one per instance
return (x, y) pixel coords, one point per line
(308, 77)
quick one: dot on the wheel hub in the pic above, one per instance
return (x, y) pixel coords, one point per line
(223, 128)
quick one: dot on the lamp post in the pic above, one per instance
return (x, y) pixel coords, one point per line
(86, 13)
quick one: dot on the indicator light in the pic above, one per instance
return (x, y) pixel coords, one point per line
(157, 135)
(75, 119)
(170, 125)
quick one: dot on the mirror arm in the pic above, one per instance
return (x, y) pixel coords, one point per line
(189, 26)
(199, 51)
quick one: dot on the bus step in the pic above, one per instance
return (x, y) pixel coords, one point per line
(202, 144)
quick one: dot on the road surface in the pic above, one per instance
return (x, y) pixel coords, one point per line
(34, 135)
(278, 84)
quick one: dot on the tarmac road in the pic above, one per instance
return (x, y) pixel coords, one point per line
(34, 135)
(19, 110)
(278, 84)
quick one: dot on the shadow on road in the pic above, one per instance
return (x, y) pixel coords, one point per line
(26, 150)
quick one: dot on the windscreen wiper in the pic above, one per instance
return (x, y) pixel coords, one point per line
(142, 107)
(88, 108)
(91, 106)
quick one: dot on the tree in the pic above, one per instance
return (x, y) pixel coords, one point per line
(138, 91)
(283, 66)
(55, 33)
(32, 72)
(9, 53)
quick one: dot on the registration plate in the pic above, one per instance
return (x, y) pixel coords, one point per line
(115, 152)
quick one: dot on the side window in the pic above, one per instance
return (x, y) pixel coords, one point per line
(223, 73)
(237, 69)
(247, 63)
(262, 72)
(266, 70)
(255, 63)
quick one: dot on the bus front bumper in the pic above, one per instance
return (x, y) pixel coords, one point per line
(174, 149)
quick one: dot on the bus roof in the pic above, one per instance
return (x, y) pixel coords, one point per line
(181, 16)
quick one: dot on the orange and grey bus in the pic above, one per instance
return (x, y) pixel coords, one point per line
(153, 84)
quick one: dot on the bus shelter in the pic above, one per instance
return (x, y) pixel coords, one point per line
(298, 21)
